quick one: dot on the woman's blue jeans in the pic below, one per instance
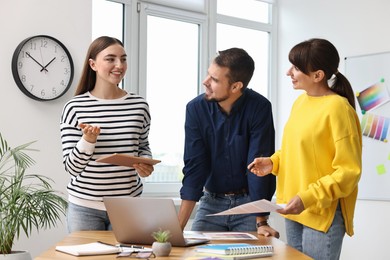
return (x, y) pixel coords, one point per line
(317, 244)
(83, 218)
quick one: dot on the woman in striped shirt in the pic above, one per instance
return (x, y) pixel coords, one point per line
(100, 120)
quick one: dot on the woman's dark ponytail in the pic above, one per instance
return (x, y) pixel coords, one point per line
(343, 87)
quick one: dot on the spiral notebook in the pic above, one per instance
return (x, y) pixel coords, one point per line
(236, 249)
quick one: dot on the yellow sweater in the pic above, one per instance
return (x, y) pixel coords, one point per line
(320, 160)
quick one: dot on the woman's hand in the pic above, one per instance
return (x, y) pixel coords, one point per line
(90, 132)
(294, 206)
(261, 166)
(143, 169)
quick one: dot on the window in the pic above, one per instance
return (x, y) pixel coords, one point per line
(258, 47)
(250, 10)
(246, 24)
(171, 81)
(112, 12)
(107, 19)
(169, 45)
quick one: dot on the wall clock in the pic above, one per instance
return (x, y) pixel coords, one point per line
(42, 68)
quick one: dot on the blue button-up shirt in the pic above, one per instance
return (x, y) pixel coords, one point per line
(218, 147)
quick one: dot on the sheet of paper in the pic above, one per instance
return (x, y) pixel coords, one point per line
(257, 206)
(229, 236)
(188, 234)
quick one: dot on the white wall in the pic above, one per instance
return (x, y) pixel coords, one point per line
(23, 119)
(355, 27)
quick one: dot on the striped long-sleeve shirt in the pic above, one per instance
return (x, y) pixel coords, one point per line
(124, 127)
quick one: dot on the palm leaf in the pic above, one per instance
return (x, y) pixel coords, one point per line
(27, 201)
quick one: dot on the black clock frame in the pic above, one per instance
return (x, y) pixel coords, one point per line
(15, 73)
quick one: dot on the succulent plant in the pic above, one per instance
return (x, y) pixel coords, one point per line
(161, 236)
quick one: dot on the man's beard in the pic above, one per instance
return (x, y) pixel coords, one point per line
(217, 100)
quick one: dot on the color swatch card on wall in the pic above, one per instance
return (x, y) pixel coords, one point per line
(375, 126)
(373, 96)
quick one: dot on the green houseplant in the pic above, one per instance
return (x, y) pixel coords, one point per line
(162, 246)
(27, 201)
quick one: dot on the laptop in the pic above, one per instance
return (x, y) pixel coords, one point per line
(134, 219)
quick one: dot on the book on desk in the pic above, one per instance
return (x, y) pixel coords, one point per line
(234, 251)
(95, 248)
(100, 248)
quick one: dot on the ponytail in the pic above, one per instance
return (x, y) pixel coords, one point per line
(343, 87)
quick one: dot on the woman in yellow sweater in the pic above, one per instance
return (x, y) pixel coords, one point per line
(319, 164)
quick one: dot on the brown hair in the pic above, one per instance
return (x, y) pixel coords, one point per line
(88, 76)
(320, 54)
(239, 63)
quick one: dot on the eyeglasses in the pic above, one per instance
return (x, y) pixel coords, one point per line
(135, 254)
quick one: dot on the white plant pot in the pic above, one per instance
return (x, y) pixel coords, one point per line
(16, 255)
(161, 249)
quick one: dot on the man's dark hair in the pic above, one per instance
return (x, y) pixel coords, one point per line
(241, 66)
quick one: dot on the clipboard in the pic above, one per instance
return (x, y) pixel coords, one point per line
(126, 160)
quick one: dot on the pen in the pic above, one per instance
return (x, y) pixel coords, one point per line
(130, 246)
(121, 245)
(104, 243)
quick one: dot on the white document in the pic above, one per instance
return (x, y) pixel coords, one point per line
(95, 248)
(100, 248)
(258, 206)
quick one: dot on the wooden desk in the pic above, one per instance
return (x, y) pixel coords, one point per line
(281, 250)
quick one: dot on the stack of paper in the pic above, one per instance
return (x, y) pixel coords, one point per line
(95, 248)
(100, 248)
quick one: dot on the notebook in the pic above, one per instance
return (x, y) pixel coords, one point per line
(94, 248)
(237, 249)
(98, 248)
(134, 219)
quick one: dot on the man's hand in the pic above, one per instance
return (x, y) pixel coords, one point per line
(186, 208)
(267, 231)
(263, 227)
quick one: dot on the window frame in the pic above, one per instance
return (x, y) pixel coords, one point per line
(270, 27)
(134, 31)
(144, 9)
(179, 15)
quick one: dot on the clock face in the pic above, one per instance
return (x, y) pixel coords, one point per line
(42, 68)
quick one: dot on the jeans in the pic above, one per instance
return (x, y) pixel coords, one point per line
(83, 218)
(317, 244)
(211, 203)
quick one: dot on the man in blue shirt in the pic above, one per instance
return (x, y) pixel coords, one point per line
(225, 129)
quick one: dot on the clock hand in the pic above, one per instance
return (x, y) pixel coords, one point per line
(43, 68)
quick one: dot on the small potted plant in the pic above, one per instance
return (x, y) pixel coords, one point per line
(27, 201)
(162, 246)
